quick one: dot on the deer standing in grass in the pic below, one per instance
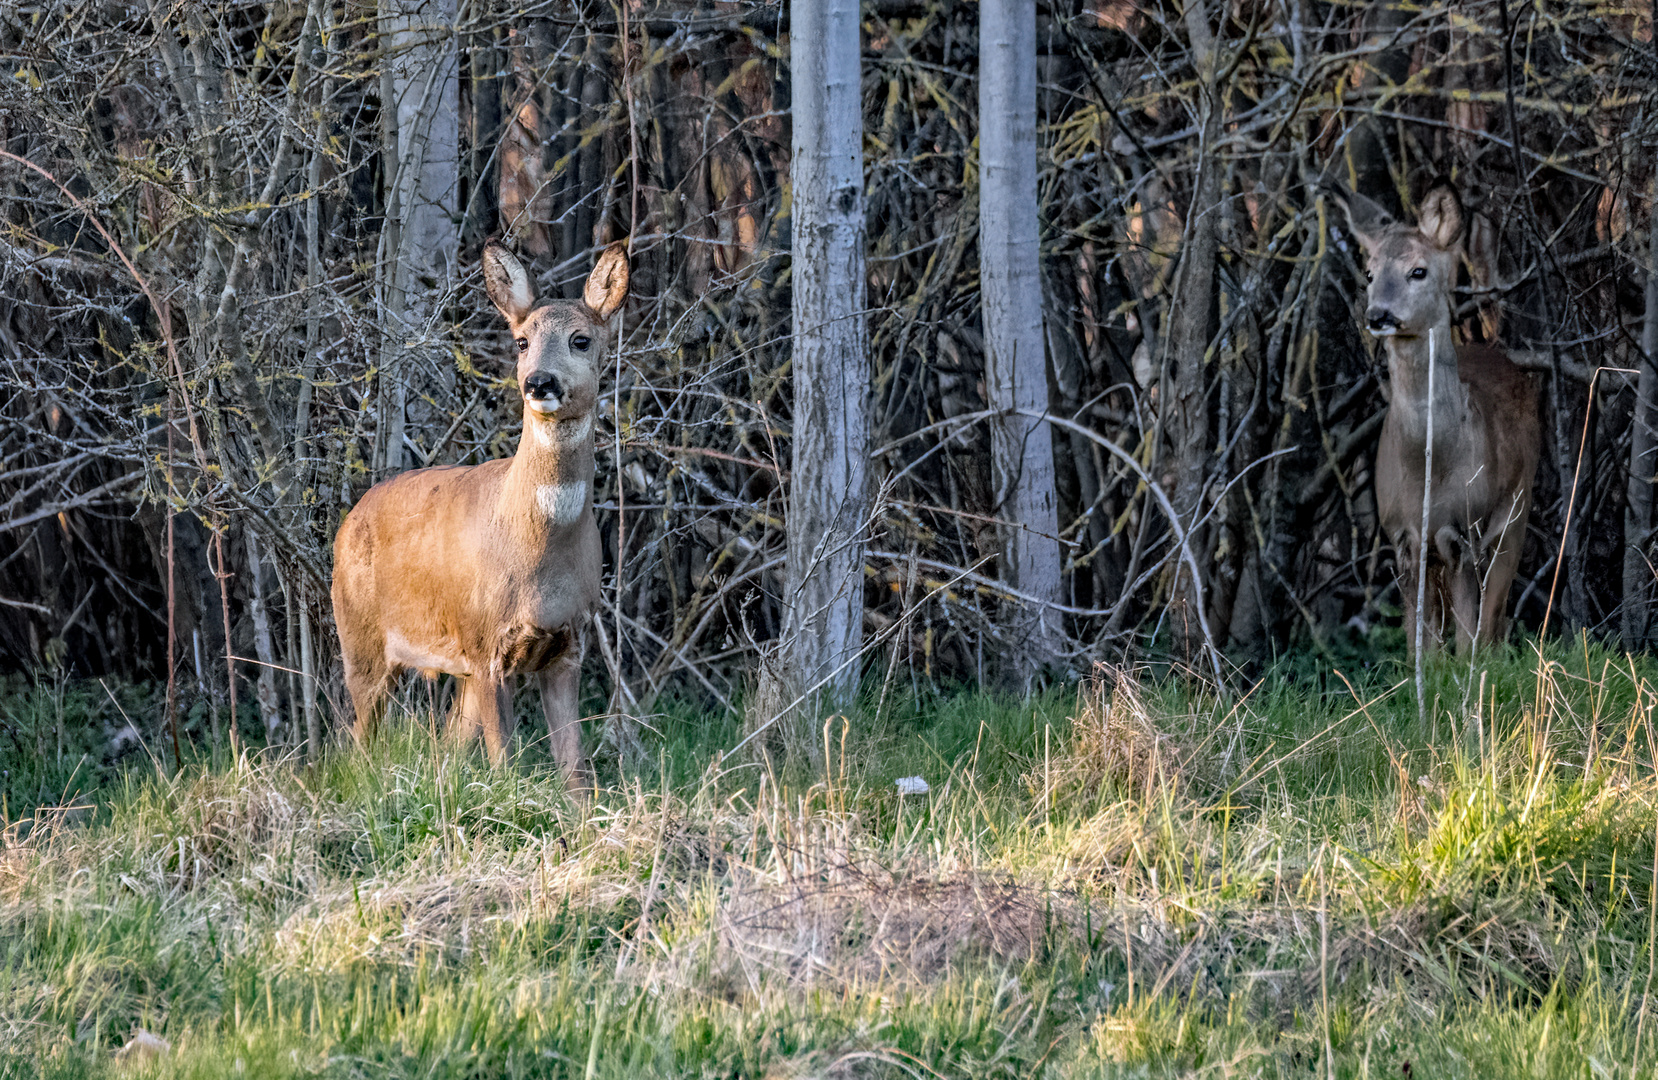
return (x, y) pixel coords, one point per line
(1486, 434)
(489, 571)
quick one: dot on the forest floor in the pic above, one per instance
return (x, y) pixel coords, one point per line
(1132, 879)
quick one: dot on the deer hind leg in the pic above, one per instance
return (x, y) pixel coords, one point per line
(560, 699)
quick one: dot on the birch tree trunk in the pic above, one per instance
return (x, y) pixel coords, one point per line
(1637, 529)
(421, 84)
(1015, 363)
(828, 492)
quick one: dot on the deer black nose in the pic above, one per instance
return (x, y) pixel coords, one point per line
(1380, 318)
(543, 385)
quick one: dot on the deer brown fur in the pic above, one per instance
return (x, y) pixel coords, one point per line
(1486, 432)
(489, 571)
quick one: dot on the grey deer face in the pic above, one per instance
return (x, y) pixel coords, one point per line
(559, 343)
(1411, 268)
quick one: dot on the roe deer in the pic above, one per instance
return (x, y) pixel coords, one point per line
(1486, 434)
(489, 571)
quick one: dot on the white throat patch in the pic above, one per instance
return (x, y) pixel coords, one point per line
(564, 432)
(574, 431)
(563, 503)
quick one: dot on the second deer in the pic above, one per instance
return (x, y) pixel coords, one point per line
(1486, 432)
(488, 571)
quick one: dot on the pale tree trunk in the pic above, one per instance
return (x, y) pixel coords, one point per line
(828, 493)
(269, 713)
(308, 677)
(420, 85)
(1015, 364)
(1637, 529)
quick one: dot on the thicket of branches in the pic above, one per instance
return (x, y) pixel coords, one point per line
(210, 331)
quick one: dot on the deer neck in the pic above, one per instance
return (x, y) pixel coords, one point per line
(549, 486)
(1415, 395)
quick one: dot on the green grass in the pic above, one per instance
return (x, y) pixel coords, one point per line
(1130, 880)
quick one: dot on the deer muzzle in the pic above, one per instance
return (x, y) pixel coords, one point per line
(543, 392)
(1381, 322)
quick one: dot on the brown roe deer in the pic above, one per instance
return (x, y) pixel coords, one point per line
(489, 571)
(1486, 433)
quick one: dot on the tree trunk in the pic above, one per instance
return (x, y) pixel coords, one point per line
(1637, 529)
(1373, 149)
(828, 496)
(1192, 321)
(1015, 362)
(270, 712)
(481, 216)
(420, 87)
(308, 677)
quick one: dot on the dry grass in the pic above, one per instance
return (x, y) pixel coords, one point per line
(1076, 894)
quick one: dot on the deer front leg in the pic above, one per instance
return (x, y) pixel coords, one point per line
(1405, 551)
(498, 721)
(366, 676)
(486, 712)
(1499, 575)
(560, 699)
(1462, 570)
(467, 722)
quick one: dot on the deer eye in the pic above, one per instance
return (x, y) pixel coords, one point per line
(523, 344)
(1419, 273)
(580, 342)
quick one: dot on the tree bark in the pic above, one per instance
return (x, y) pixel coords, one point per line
(482, 209)
(828, 496)
(1015, 361)
(1192, 320)
(270, 712)
(420, 87)
(1637, 529)
(1373, 149)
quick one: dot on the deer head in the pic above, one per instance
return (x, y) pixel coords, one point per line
(1411, 268)
(559, 343)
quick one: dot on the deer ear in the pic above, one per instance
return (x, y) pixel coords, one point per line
(607, 285)
(1441, 216)
(1366, 219)
(508, 283)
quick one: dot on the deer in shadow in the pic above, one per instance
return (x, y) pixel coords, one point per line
(1482, 411)
(487, 572)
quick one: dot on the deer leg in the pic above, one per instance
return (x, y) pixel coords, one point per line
(1499, 575)
(1465, 605)
(1404, 570)
(366, 676)
(468, 723)
(1433, 620)
(1462, 574)
(495, 699)
(560, 699)
(1405, 550)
